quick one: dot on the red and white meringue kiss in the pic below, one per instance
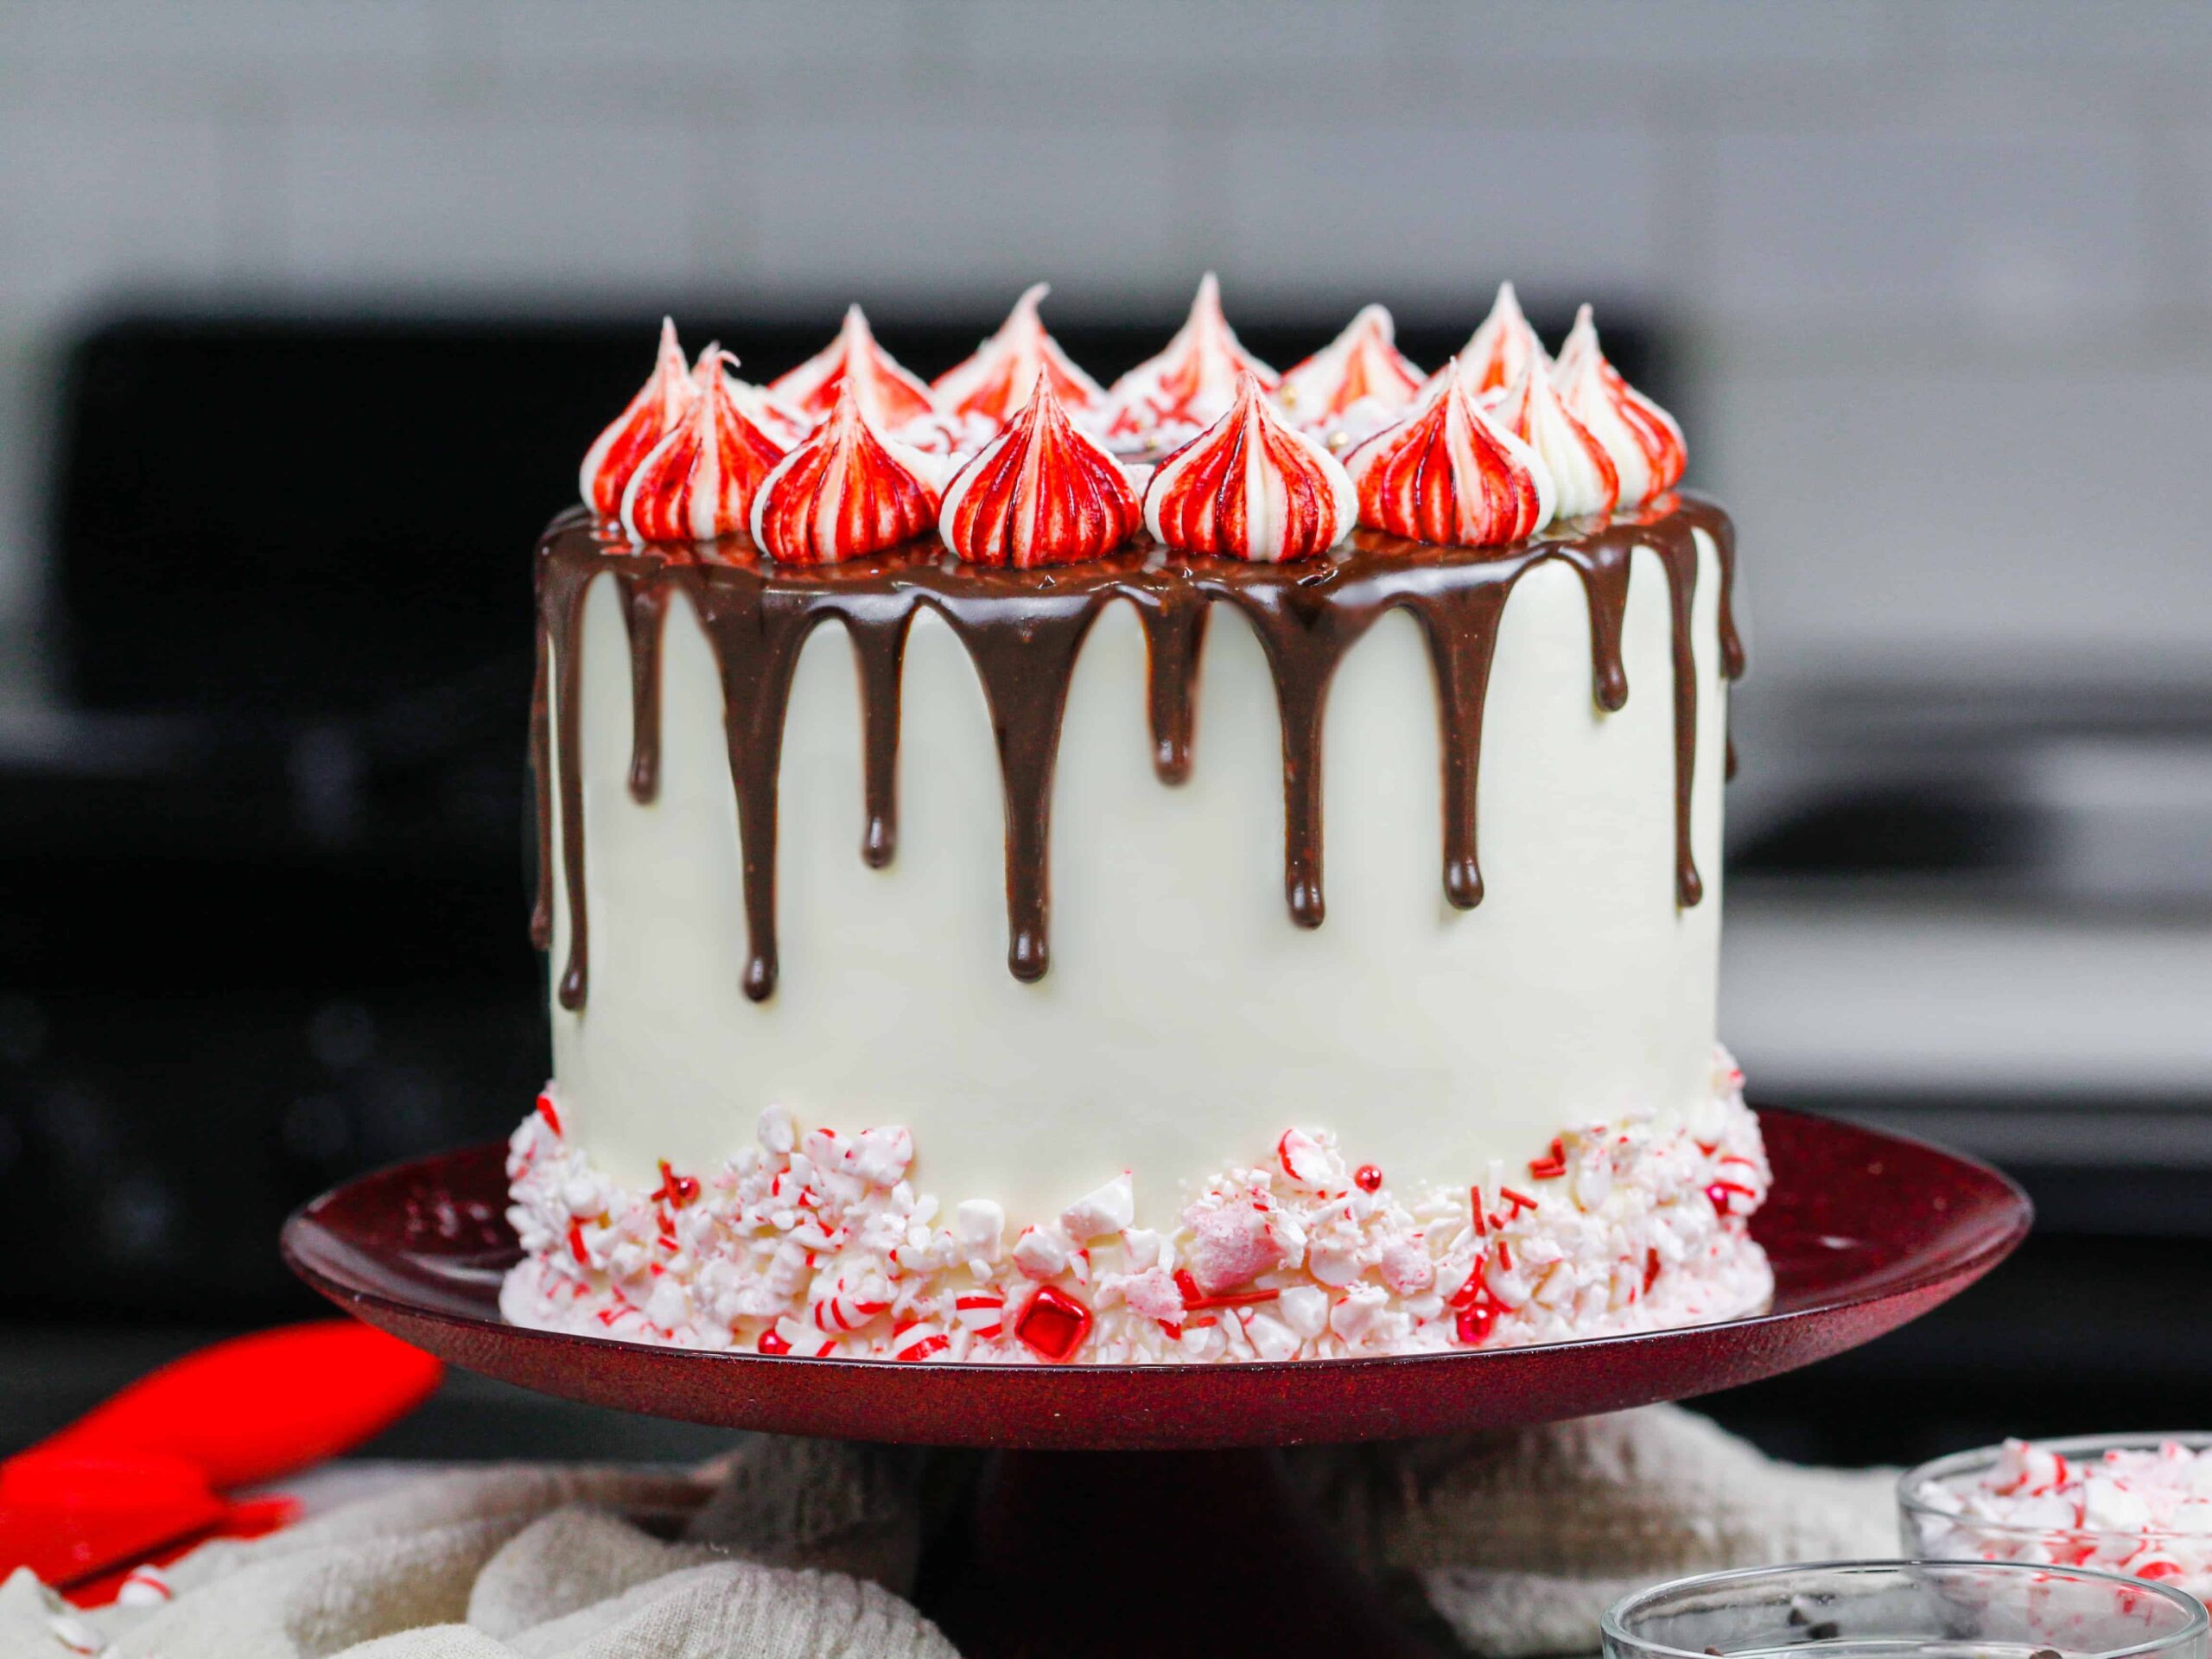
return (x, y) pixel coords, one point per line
(1642, 439)
(848, 489)
(994, 384)
(657, 410)
(1251, 486)
(698, 482)
(1043, 491)
(1583, 477)
(1358, 383)
(1501, 345)
(1449, 472)
(893, 395)
(1191, 383)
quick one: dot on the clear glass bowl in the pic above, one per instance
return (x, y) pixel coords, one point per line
(1930, 1531)
(1885, 1610)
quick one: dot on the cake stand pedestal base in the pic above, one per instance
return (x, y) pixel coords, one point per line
(1078, 1554)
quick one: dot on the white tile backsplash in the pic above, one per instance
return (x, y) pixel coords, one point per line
(1940, 245)
(2018, 227)
(90, 206)
(2006, 513)
(900, 209)
(1438, 210)
(472, 204)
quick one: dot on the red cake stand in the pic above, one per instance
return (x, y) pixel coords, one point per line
(1180, 1546)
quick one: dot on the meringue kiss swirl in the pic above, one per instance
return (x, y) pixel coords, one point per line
(659, 408)
(1043, 491)
(1362, 365)
(890, 392)
(848, 489)
(1583, 475)
(1251, 487)
(698, 482)
(1503, 344)
(1642, 439)
(994, 383)
(1193, 381)
(1450, 473)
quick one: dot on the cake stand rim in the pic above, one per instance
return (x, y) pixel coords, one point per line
(1789, 1338)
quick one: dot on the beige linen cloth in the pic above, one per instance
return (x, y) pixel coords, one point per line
(1511, 1543)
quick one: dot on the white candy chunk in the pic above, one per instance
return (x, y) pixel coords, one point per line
(1235, 1244)
(979, 1229)
(1040, 1253)
(668, 1307)
(145, 1586)
(1108, 1210)
(1333, 1261)
(1507, 1289)
(2107, 1506)
(1361, 1312)
(778, 1130)
(1153, 1293)
(1592, 1182)
(1271, 1339)
(1142, 1245)
(1201, 1342)
(74, 1634)
(581, 1195)
(879, 1157)
(1406, 1268)
(1304, 1310)
(2192, 1517)
(1308, 1162)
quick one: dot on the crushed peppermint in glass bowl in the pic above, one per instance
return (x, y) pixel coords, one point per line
(2140, 1504)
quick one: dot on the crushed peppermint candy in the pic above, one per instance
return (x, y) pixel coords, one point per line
(2144, 1510)
(815, 1243)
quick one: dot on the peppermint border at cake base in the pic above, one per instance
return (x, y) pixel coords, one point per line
(814, 1242)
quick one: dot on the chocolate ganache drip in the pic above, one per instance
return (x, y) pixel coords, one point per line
(1023, 631)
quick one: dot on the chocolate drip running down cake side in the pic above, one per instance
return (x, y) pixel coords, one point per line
(1221, 868)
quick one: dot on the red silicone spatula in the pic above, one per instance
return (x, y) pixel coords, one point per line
(147, 1468)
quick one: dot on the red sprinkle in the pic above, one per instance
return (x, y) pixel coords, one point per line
(1475, 1193)
(1194, 1298)
(1552, 1164)
(678, 1189)
(770, 1343)
(576, 1243)
(545, 1110)
(1368, 1178)
(1651, 1269)
(1520, 1201)
(1720, 1192)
